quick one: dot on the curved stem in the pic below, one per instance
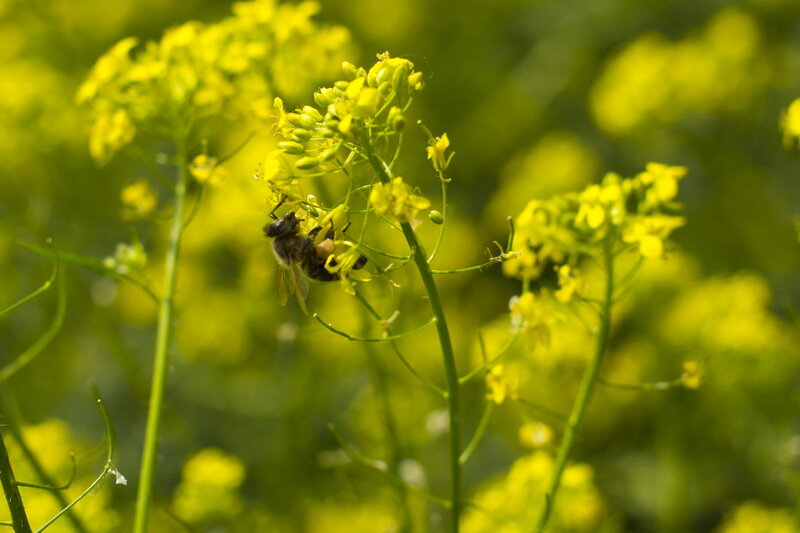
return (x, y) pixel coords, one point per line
(451, 374)
(163, 337)
(588, 382)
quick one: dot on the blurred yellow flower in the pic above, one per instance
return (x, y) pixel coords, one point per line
(206, 170)
(138, 200)
(209, 487)
(498, 386)
(534, 435)
(752, 517)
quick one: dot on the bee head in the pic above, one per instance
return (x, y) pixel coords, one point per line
(286, 225)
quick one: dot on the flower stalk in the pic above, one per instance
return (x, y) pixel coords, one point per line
(588, 382)
(163, 338)
(451, 374)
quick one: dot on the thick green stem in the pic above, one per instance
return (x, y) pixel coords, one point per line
(588, 382)
(163, 338)
(19, 519)
(451, 374)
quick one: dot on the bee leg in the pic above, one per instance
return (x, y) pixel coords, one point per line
(272, 213)
(313, 233)
(360, 262)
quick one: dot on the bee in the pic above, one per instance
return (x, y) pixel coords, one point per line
(298, 254)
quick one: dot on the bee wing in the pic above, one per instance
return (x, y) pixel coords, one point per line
(300, 287)
(291, 281)
(284, 284)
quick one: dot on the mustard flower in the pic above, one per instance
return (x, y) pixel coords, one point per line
(692, 375)
(569, 282)
(138, 200)
(206, 170)
(396, 198)
(436, 153)
(534, 435)
(790, 123)
(498, 386)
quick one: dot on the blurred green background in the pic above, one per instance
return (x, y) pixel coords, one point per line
(537, 97)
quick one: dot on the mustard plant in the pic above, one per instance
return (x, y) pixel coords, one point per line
(352, 138)
(176, 92)
(619, 221)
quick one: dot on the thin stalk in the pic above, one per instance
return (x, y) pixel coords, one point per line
(590, 378)
(163, 337)
(451, 374)
(19, 520)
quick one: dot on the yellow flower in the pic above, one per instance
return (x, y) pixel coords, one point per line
(206, 171)
(209, 486)
(534, 435)
(396, 198)
(790, 122)
(661, 182)
(569, 283)
(692, 375)
(110, 132)
(649, 233)
(436, 153)
(530, 317)
(138, 200)
(498, 385)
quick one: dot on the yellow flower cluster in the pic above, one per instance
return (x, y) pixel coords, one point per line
(655, 79)
(396, 198)
(374, 98)
(200, 71)
(509, 504)
(209, 487)
(572, 224)
(790, 123)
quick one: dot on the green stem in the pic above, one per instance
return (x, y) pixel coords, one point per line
(588, 382)
(19, 519)
(163, 337)
(451, 374)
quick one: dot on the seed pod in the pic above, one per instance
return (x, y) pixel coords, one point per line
(307, 163)
(291, 147)
(436, 216)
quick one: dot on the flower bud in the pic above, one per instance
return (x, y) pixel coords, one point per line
(329, 153)
(415, 81)
(436, 217)
(307, 163)
(323, 98)
(349, 70)
(312, 112)
(291, 147)
(342, 85)
(301, 135)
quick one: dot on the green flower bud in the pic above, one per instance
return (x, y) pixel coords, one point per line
(397, 120)
(329, 153)
(328, 133)
(301, 120)
(350, 70)
(384, 88)
(323, 98)
(291, 147)
(312, 112)
(436, 216)
(381, 76)
(301, 135)
(341, 85)
(332, 123)
(307, 163)
(400, 76)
